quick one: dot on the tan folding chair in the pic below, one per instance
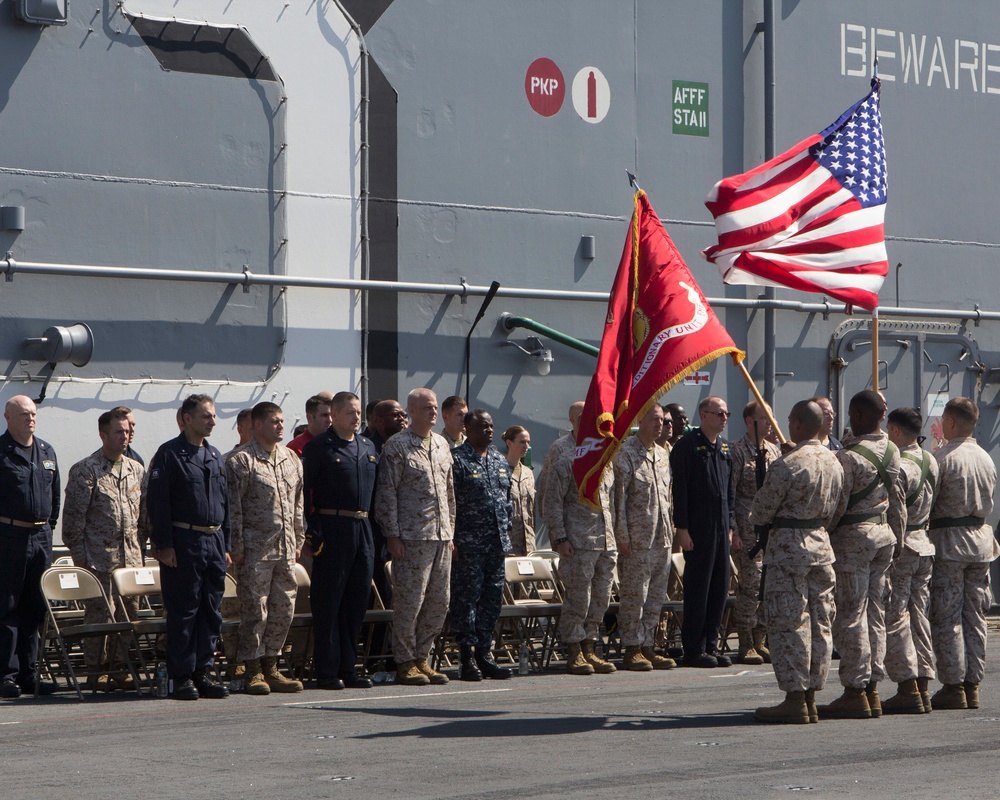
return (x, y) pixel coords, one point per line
(532, 604)
(64, 585)
(298, 646)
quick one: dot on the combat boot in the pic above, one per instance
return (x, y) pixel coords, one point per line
(874, 701)
(601, 667)
(635, 660)
(408, 674)
(489, 667)
(925, 694)
(253, 679)
(793, 710)
(760, 643)
(971, 694)
(811, 705)
(275, 680)
(852, 704)
(658, 661)
(576, 664)
(747, 654)
(435, 677)
(950, 697)
(906, 701)
(469, 671)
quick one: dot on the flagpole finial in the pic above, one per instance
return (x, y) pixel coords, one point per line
(875, 68)
(632, 181)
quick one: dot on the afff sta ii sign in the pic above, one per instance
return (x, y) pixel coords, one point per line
(690, 108)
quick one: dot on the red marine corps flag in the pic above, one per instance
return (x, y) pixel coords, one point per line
(659, 328)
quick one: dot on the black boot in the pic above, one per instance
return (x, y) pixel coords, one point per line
(469, 670)
(488, 667)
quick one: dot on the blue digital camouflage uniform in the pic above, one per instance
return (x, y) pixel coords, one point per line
(483, 520)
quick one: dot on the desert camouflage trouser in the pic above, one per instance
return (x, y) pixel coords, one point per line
(960, 597)
(799, 608)
(95, 648)
(266, 591)
(643, 576)
(908, 650)
(859, 627)
(745, 613)
(586, 576)
(421, 590)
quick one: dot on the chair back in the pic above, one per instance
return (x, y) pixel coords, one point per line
(136, 581)
(70, 585)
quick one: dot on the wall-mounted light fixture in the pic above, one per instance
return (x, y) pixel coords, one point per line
(588, 250)
(534, 347)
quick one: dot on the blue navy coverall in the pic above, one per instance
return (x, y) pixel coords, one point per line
(29, 507)
(339, 475)
(187, 485)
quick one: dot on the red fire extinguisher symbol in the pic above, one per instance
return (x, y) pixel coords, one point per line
(591, 95)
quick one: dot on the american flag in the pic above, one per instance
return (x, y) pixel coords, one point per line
(812, 218)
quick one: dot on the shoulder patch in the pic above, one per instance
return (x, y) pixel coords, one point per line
(154, 474)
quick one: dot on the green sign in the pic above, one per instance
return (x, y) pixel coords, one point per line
(690, 108)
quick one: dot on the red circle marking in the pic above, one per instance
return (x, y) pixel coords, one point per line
(545, 86)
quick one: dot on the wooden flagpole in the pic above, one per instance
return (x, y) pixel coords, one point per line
(760, 399)
(875, 386)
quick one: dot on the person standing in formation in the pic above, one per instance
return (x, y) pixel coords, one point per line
(101, 529)
(416, 509)
(964, 546)
(748, 623)
(483, 518)
(704, 516)
(644, 534)
(317, 421)
(453, 411)
(564, 444)
(909, 654)
(870, 522)
(268, 531)
(522, 491)
(340, 467)
(798, 499)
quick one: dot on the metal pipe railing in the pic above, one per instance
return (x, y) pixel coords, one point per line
(509, 322)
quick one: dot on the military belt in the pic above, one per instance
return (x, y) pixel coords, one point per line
(789, 522)
(858, 519)
(916, 527)
(17, 523)
(955, 522)
(338, 512)
(200, 528)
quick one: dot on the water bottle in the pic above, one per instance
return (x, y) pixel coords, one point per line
(522, 662)
(161, 688)
(383, 677)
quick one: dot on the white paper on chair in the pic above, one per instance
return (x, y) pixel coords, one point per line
(525, 568)
(144, 577)
(69, 580)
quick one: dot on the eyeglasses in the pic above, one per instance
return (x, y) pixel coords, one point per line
(719, 414)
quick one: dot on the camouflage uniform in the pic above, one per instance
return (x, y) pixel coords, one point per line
(864, 552)
(415, 502)
(268, 528)
(643, 521)
(560, 447)
(960, 584)
(799, 497)
(588, 573)
(908, 650)
(100, 528)
(522, 497)
(483, 515)
(744, 454)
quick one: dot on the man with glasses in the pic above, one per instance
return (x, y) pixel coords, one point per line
(704, 496)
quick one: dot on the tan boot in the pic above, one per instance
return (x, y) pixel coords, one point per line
(971, 694)
(601, 667)
(760, 643)
(925, 694)
(576, 664)
(747, 654)
(852, 704)
(793, 710)
(950, 697)
(658, 661)
(906, 701)
(435, 677)
(634, 660)
(253, 679)
(874, 701)
(811, 705)
(408, 674)
(275, 680)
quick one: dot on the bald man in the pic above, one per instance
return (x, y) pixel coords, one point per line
(29, 505)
